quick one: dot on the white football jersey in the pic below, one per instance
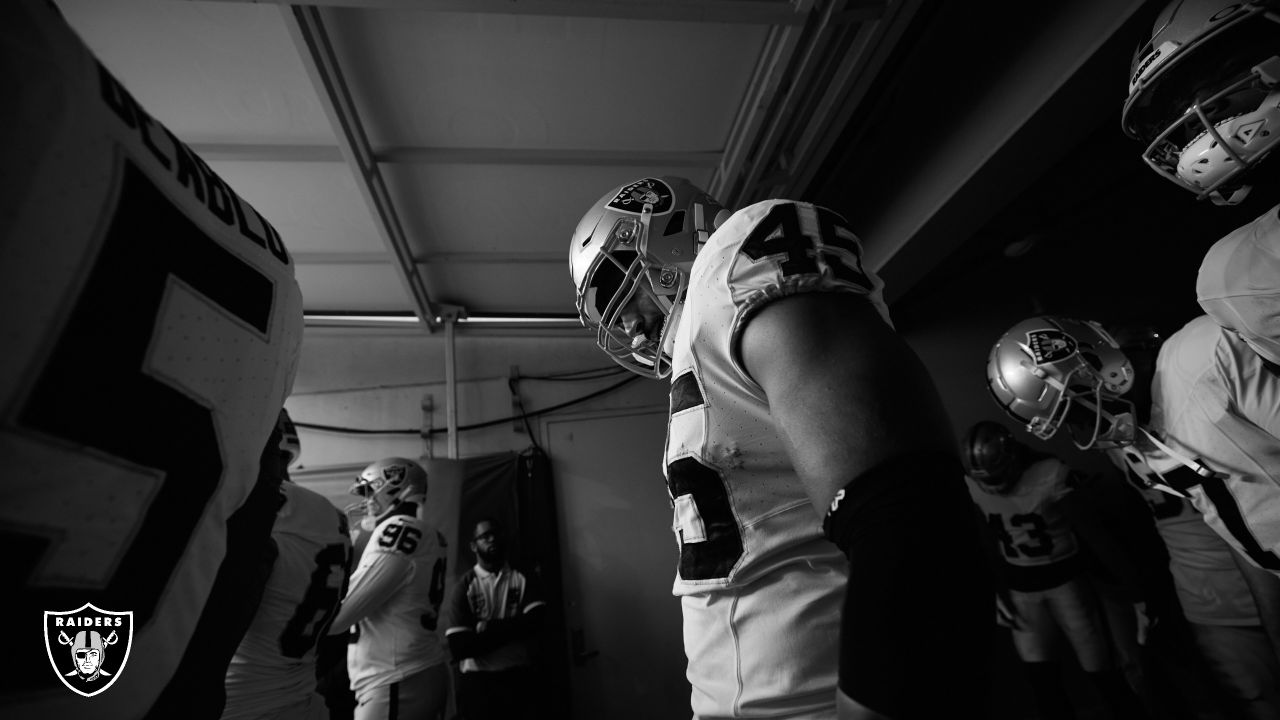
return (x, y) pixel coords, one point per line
(150, 338)
(749, 539)
(1209, 585)
(1215, 400)
(1026, 519)
(275, 667)
(1239, 283)
(402, 637)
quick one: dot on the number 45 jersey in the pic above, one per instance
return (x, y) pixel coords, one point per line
(400, 638)
(750, 540)
(150, 331)
(274, 670)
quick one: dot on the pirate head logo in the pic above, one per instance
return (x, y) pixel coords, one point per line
(650, 191)
(88, 647)
(1049, 346)
(393, 473)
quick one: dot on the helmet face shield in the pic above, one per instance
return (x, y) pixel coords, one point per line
(367, 491)
(618, 286)
(613, 272)
(1217, 140)
(644, 351)
(1193, 56)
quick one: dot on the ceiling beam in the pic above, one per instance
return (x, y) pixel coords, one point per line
(748, 12)
(306, 28)
(529, 156)
(231, 152)
(343, 258)
(858, 59)
(766, 78)
(797, 92)
(245, 152)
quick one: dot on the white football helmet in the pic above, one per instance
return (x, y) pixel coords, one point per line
(290, 445)
(640, 238)
(1204, 94)
(389, 482)
(1048, 371)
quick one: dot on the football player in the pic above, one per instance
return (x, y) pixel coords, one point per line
(150, 340)
(1051, 372)
(806, 445)
(273, 673)
(397, 663)
(1020, 495)
(1204, 100)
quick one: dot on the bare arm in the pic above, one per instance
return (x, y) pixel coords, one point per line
(371, 589)
(862, 424)
(846, 392)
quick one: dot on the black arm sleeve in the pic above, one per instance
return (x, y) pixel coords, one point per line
(518, 627)
(470, 644)
(919, 605)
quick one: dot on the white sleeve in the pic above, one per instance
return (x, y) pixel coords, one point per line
(371, 587)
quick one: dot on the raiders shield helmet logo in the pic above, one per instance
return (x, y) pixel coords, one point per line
(1050, 345)
(88, 647)
(633, 197)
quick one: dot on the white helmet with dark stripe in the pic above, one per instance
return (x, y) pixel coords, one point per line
(387, 483)
(1204, 94)
(1047, 372)
(640, 238)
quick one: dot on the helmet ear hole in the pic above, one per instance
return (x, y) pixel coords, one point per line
(675, 224)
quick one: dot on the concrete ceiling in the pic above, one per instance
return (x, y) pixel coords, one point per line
(428, 159)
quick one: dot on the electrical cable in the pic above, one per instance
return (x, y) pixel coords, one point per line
(514, 385)
(473, 426)
(578, 375)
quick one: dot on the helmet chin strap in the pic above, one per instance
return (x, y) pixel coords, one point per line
(1145, 469)
(674, 312)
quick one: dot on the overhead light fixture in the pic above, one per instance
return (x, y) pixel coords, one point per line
(518, 320)
(390, 318)
(401, 318)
